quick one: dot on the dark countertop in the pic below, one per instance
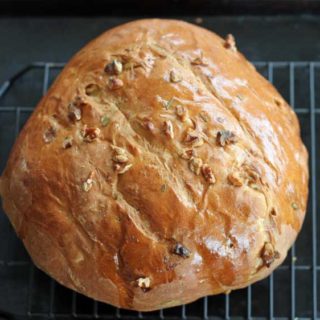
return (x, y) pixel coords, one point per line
(24, 40)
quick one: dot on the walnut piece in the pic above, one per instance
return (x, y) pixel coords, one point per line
(67, 142)
(87, 185)
(74, 112)
(187, 154)
(144, 283)
(90, 134)
(230, 43)
(208, 174)
(49, 134)
(181, 251)
(168, 129)
(225, 137)
(174, 77)
(114, 68)
(120, 155)
(115, 83)
(120, 158)
(235, 179)
(194, 139)
(118, 150)
(149, 125)
(269, 254)
(195, 165)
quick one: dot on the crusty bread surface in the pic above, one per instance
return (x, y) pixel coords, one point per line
(160, 167)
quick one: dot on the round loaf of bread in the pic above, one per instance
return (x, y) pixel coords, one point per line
(160, 167)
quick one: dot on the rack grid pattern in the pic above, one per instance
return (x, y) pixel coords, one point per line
(291, 292)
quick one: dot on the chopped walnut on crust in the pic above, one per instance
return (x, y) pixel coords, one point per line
(87, 185)
(208, 174)
(67, 142)
(120, 158)
(194, 139)
(269, 254)
(120, 155)
(187, 154)
(175, 77)
(146, 123)
(181, 251)
(195, 165)
(90, 134)
(144, 283)
(115, 83)
(149, 126)
(168, 129)
(118, 150)
(74, 111)
(230, 43)
(49, 134)
(251, 174)
(225, 137)
(114, 68)
(235, 179)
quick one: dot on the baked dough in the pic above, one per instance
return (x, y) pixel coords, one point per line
(160, 167)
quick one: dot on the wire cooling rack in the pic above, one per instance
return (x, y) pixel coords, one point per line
(291, 292)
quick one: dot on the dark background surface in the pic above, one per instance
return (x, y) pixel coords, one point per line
(159, 7)
(36, 38)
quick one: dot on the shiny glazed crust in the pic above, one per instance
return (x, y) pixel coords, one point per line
(159, 168)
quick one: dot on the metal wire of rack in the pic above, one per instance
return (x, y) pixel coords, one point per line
(291, 292)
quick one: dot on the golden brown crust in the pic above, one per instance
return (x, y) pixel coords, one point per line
(159, 168)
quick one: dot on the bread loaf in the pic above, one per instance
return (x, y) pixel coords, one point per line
(160, 167)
